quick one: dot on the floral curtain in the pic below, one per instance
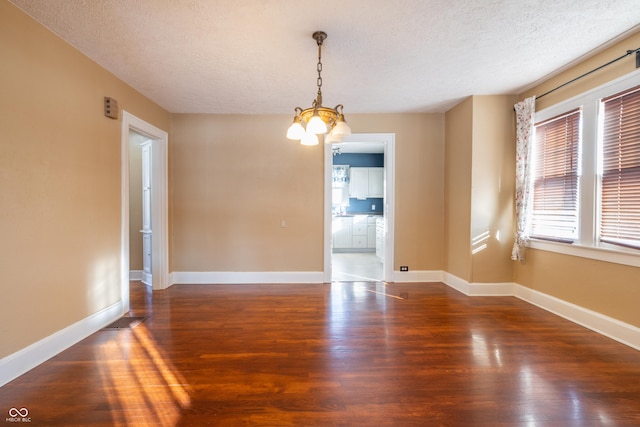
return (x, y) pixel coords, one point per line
(340, 173)
(525, 111)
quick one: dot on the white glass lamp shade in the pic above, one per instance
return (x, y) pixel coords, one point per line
(341, 128)
(316, 125)
(309, 139)
(332, 138)
(296, 131)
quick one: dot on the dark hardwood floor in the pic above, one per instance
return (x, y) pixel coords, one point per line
(343, 354)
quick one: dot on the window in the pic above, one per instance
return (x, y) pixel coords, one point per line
(620, 179)
(555, 183)
(586, 174)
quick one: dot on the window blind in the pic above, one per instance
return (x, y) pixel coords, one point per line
(555, 185)
(620, 180)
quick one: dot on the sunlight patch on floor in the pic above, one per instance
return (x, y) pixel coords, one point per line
(140, 385)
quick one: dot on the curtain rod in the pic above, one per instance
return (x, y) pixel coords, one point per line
(629, 52)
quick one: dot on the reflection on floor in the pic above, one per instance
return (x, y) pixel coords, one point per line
(355, 266)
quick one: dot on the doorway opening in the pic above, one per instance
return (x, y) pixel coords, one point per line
(359, 208)
(135, 129)
(140, 231)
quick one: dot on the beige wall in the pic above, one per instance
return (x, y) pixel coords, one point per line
(419, 184)
(234, 178)
(596, 79)
(607, 288)
(493, 189)
(479, 188)
(59, 180)
(458, 159)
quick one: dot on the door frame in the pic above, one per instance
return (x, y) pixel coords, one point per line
(159, 203)
(389, 142)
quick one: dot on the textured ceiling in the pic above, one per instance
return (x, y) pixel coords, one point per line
(381, 56)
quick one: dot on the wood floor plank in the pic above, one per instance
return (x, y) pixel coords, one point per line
(334, 354)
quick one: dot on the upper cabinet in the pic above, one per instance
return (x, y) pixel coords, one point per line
(376, 182)
(366, 183)
(359, 183)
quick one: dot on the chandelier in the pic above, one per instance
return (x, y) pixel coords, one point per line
(320, 120)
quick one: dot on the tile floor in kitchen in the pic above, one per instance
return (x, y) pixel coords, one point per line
(355, 266)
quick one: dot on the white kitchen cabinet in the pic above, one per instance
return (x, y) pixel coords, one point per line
(366, 182)
(341, 230)
(360, 225)
(371, 232)
(359, 232)
(359, 183)
(380, 238)
(376, 182)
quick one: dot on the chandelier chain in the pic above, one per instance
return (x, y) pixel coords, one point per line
(319, 67)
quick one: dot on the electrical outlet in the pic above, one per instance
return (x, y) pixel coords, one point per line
(404, 268)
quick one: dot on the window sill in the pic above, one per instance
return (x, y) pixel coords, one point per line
(617, 256)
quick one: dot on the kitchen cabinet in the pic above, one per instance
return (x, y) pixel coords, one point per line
(341, 230)
(359, 183)
(359, 232)
(371, 232)
(380, 238)
(356, 233)
(366, 183)
(376, 182)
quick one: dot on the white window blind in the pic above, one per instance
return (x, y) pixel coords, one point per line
(620, 180)
(555, 184)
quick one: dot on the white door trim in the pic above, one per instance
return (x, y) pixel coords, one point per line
(389, 141)
(159, 203)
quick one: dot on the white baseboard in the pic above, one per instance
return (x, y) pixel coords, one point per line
(622, 332)
(456, 283)
(18, 363)
(135, 275)
(418, 276)
(232, 277)
(479, 289)
(248, 277)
